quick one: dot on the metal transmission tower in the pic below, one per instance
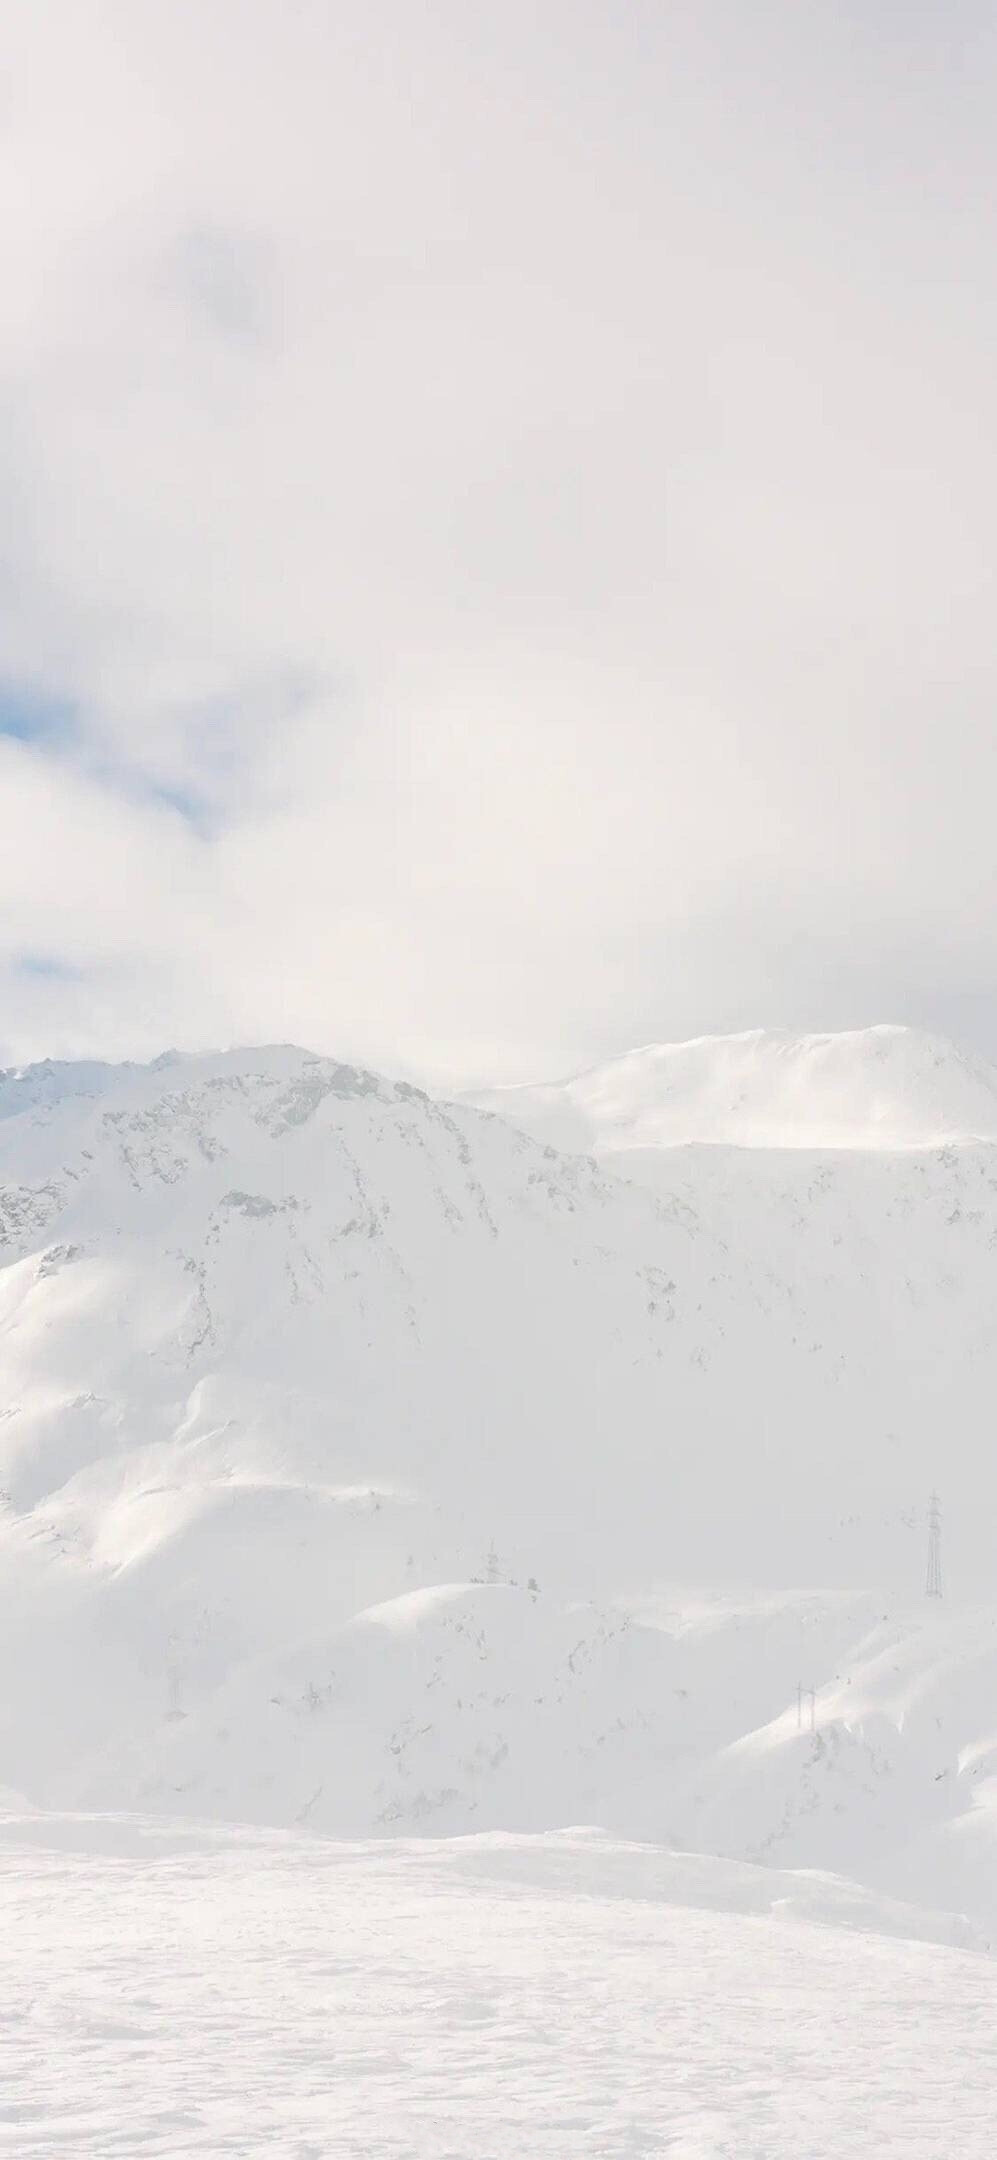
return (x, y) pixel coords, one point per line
(933, 1583)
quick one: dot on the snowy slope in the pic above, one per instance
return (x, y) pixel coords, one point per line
(891, 1772)
(366, 1463)
(880, 1087)
(169, 1992)
(483, 1707)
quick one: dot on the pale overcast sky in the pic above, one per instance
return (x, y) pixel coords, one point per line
(498, 560)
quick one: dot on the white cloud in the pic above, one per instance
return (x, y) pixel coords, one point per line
(523, 479)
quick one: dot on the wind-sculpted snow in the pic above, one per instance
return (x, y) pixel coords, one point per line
(368, 1464)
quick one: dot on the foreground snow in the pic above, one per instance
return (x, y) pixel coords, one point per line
(168, 1989)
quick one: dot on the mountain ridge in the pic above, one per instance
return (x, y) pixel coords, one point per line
(885, 1087)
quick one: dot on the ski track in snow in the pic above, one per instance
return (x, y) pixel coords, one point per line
(227, 1994)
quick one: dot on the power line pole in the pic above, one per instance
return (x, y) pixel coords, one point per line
(933, 1581)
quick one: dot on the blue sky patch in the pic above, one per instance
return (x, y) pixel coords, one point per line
(46, 967)
(187, 802)
(33, 715)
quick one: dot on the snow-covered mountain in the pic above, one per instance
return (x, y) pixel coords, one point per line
(879, 1087)
(366, 1462)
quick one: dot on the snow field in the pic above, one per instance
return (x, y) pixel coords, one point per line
(169, 1991)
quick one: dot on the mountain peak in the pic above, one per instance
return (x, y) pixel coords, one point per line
(880, 1087)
